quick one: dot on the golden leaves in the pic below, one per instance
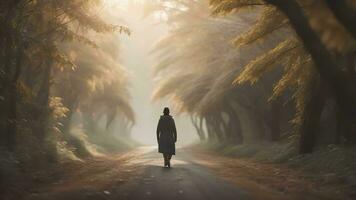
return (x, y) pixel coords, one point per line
(227, 6)
(270, 20)
(331, 31)
(266, 62)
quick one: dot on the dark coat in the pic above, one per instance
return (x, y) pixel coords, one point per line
(166, 135)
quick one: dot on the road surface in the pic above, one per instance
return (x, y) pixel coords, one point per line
(185, 180)
(195, 175)
(139, 175)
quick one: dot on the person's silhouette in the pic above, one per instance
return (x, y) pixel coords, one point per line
(166, 136)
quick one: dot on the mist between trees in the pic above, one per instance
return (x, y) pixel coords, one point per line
(246, 71)
(60, 68)
(254, 71)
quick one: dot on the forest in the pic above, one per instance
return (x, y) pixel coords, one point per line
(280, 77)
(270, 77)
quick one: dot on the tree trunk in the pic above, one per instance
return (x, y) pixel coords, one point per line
(324, 62)
(345, 13)
(43, 102)
(217, 128)
(272, 120)
(237, 137)
(11, 117)
(223, 127)
(194, 121)
(42, 127)
(314, 104)
(234, 126)
(6, 88)
(73, 141)
(201, 120)
(210, 129)
(11, 98)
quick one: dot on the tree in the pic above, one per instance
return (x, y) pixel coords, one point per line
(204, 89)
(313, 42)
(34, 57)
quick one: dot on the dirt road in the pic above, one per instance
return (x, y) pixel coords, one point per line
(139, 175)
(185, 180)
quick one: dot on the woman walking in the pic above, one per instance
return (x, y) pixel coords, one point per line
(166, 136)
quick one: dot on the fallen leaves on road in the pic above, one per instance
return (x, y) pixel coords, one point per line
(273, 181)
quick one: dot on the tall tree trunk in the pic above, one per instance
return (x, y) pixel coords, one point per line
(43, 102)
(194, 121)
(349, 123)
(43, 117)
(201, 120)
(8, 86)
(345, 13)
(11, 116)
(223, 126)
(73, 141)
(217, 127)
(314, 104)
(325, 64)
(235, 128)
(210, 129)
(272, 119)
(11, 97)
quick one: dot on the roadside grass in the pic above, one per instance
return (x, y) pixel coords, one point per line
(330, 166)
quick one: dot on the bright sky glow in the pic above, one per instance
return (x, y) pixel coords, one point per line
(136, 58)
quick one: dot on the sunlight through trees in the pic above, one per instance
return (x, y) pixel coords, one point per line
(207, 60)
(277, 74)
(57, 60)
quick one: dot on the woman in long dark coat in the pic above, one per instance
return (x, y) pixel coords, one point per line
(166, 136)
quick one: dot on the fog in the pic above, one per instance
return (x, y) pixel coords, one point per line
(137, 59)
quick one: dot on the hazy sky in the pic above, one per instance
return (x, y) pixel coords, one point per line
(137, 59)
